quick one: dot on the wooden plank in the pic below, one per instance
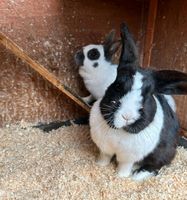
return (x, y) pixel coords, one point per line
(170, 49)
(15, 49)
(183, 132)
(150, 32)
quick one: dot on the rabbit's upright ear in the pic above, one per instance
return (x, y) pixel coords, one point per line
(111, 45)
(170, 82)
(129, 54)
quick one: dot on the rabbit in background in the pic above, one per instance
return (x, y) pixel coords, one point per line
(96, 67)
(135, 119)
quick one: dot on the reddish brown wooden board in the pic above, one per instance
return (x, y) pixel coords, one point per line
(50, 31)
(170, 44)
(150, 30)
(18, 52)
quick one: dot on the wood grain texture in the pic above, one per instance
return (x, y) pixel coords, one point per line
(150, 30)
(50, 31)
(17, 51)
(26, 96)
(170, 44)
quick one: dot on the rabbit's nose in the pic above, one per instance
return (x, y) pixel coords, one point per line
(126, 117)
(79, 58)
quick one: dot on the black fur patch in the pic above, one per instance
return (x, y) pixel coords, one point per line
(170, 82)
(153, 83)
(93, 54)
(108, 54)
(183, 142)
(47, 127)
(111, 101)
(79, 58)
(147, 114)
(166, 149)
(148, 110)
(95, 64)
(119, 89)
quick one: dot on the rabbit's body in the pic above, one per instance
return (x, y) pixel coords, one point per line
(144, 147)
(97, 81)
(135, 119)
(132, 147)
(96, 67)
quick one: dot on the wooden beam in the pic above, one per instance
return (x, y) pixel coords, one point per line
(150, 32)
(15, 49)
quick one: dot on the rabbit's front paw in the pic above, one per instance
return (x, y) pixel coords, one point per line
(124, 170)
(103, 160)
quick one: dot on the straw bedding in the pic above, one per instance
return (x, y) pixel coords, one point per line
(61, 165)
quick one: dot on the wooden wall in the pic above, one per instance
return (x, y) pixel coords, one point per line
(50, 31)
(170, 43)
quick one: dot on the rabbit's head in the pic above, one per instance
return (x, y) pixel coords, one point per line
(130, 102)
(94, 56)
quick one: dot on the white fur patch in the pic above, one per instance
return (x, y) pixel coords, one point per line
(97, 79)
(142, 175)
(89, 63)
(137, 81)
(129, 148)
(171, 102)
(130, 104)
(88, 99)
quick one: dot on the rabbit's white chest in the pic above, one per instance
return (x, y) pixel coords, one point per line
(133, 147)
(98, 80)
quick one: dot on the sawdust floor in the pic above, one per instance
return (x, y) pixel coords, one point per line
(61, 165)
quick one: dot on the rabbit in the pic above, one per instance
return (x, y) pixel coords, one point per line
(96, 67)
(135, 120)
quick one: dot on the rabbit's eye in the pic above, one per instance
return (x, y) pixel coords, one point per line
(93, 54)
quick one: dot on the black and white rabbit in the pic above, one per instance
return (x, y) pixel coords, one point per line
(96, 67)
(135, 120)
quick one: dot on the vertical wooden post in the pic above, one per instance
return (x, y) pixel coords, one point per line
(150, 32)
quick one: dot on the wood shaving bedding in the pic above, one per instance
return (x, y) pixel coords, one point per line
(61, 165)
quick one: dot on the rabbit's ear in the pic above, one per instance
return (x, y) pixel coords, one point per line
(129, 54)
(110, 37)
(170, 82)
(111, 45)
